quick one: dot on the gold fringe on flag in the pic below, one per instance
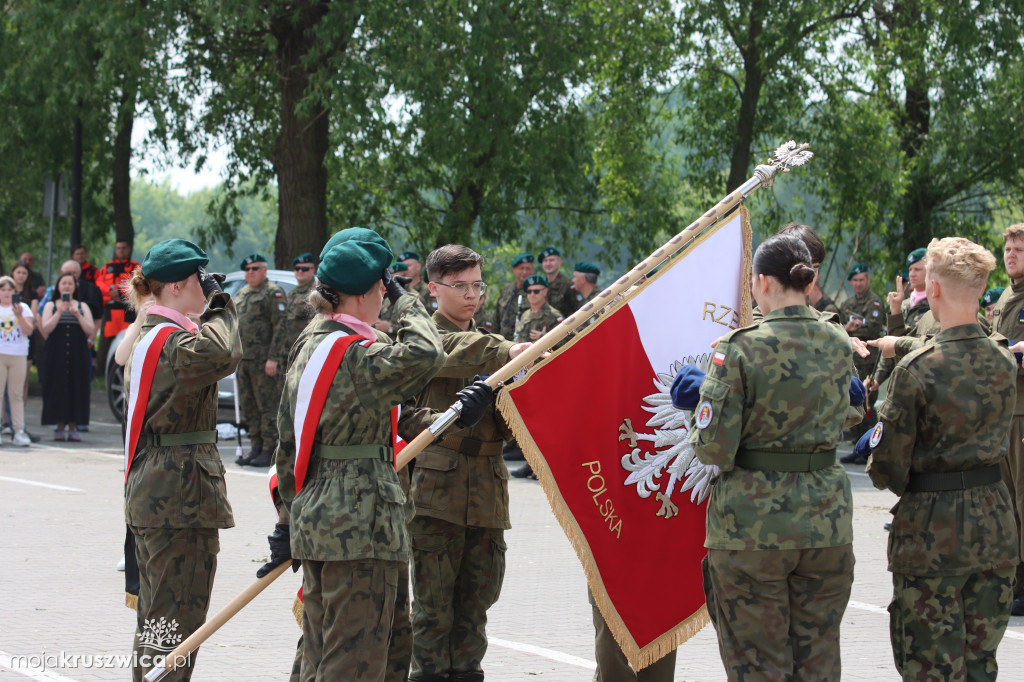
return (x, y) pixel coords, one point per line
(297, 611)
(131, 601)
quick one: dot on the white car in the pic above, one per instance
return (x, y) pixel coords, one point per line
(225, 390)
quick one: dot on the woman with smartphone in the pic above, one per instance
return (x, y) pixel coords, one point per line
(16, 325)
(67, 327)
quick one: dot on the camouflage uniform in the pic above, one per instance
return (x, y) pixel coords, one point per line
(871, 309)
(544, 320)
(260, 312)
(483, 322)
(423, 291)
(175, 496)
(561, 295)
(348, 524)
(510, 300)
(460, 486)
(914, 321)
(948, 409)
(297, 315)
(779, 568)
(1008, 320)
(826, 304)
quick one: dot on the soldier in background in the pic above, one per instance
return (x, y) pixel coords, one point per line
(411, 259)
(511, 298)
(988, 303)
(865, 317)
(938, 445)
(560, 294)
(481, 317)
(541, 317)
(385, 321)
(261, 310)
(584, 282)
(907, 314)
(298, 312)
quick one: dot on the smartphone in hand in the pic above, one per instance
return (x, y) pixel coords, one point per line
(66, 297)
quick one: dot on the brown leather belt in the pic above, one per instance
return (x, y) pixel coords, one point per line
(472, 446)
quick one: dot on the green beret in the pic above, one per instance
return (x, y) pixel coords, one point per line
(302, 258)
(350, 233)
(587, 268)
(409, 255)
(916, 255)
(991, 296)
(522, 258)
(354, 263)
(399, 266)
(252, 258)
(857, 269)
(550, 251)
(173, 260)
(534, 280)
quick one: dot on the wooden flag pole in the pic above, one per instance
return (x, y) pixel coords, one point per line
(181, 654)
(787, 156)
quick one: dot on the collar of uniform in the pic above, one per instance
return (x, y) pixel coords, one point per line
(353, 323)
(446, 325)
(961, 332)
(799, 311)
(327, 325)
(1018, 287)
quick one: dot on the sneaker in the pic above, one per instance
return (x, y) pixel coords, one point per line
(7, 430)
(21, 438)
(59, 435)
(83, 428)
(73, 436)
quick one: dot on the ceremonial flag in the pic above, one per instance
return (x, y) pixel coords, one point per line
(613, 456)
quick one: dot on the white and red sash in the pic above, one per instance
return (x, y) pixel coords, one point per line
(143, 364)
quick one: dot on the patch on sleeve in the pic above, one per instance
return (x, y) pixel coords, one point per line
(876, 436)
(280, 306)
(1020, 317)
(719, 358)
(704, 414)
(278, 294)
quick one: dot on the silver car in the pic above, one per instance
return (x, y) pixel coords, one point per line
(225, 390)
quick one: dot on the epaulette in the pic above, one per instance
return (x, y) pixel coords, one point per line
(999, 338)
(913, 355)
(727, 337)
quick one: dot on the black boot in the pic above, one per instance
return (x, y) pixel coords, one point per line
(264, 459)
(525, 471)
(470, 676)
(246, 459)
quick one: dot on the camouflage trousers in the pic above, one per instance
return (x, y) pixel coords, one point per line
(348, 609)
(457, 576)
(777, 613)
(258, 399)
(612, 665)
(1013, 476)
(948, 628)
(176, 569)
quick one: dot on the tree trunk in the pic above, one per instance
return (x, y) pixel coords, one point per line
(753, 81)
(121, 184)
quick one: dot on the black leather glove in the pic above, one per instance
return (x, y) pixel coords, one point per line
(393, 285)
(211, 282)
(280, 542)
(474, 399)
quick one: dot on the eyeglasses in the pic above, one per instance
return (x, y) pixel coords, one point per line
(303, 268)
(534, 291)
(463, 288)
(253, 268)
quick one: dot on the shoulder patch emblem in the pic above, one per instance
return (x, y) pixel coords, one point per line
(280, 306)
(876, 436)
(278, 294)
(874, 313)
(719, 359)
(704, 415)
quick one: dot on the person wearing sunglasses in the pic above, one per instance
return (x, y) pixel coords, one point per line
(261, 310)
(297, 310)
(541, 317)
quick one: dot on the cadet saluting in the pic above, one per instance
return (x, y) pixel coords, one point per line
(779, 524)
(176, 500)
(938, 445)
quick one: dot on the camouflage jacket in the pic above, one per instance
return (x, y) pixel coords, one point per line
(923, 325)
(1008, 320)
(353, 509)
(870, 307)
(949, 408)
(423, 291)
(297, 315)
(183, 486)
(260, 312)
(544, 320)
(827, 305)
(507, 310)
(561, 295)
(903, 322)
(452, 486)
(783, 385)
(483, 321)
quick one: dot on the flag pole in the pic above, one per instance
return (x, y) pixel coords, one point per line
(785, 157)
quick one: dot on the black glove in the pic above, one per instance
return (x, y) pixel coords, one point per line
(211, 282)
(475, 400)
(280, 542)
(393, 285)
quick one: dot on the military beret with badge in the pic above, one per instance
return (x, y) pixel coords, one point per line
(550, 251)
(535, 281)
(173, 260)
(916, 255)
(409, 255)
(522, 258)
(302, 259)
(586, 268)
(355, 262)
(991, 296)
(251, 259)
(857, 269)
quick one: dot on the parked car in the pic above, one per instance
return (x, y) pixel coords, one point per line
(225, 390)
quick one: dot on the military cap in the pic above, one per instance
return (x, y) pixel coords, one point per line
(534, 280)
(302, 258)
(550, 251)
(857, 269)
(409, 255)
(399, 266)
(353, 264)
(349, 233)
(173, 260)
(685, 389)
(586, 268)
(522, 258)
(916, 255)
(252, 258)
(991, 296)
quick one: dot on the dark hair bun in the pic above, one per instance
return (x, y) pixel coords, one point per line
(801, 275)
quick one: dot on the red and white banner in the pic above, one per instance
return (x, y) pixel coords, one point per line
(613, 458)
(142, 368)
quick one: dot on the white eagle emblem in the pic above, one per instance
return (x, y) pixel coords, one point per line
(670, 448)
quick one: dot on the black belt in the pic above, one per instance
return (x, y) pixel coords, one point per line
(785, 460)
(370, 451)
(472, 446)
(167, 440)
(932, 482)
